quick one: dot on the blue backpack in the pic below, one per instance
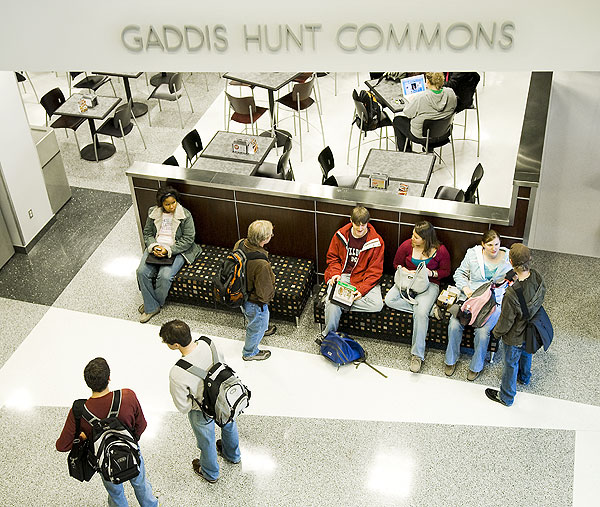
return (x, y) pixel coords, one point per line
(340, 349)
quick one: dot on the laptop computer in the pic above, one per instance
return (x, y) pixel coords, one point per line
(412, 85)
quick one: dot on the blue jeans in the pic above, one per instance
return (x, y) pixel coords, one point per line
(517, 363)
(420, 311)
(204, 430)
(258, 323)
(369, 302)
(141, 487)
(154, 298)
(482, 340)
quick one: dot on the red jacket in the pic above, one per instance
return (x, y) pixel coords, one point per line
(369, 267)
(130, 413)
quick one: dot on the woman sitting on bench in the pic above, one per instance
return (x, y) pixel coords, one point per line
(169, 236)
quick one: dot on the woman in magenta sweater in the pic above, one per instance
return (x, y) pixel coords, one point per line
(422, 247)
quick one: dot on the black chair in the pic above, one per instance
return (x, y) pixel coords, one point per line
(359, 117)
(171, 91)
(120, 125)
(171, 161)
(51, 101)
(327, 164)
(89, 82)
(21, 78)
(192, 145)
(278, 171)
(436, 134)
(455, 194)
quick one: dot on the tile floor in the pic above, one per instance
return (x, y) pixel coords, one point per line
(313, 435)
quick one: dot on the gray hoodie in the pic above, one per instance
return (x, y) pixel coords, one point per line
(429, 106)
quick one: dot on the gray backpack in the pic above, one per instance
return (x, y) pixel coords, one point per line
(225, 397)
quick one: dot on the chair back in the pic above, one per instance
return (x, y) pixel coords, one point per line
(475, 180)
(326, 161)
(192, 144)
(360, 109)
(175, 82)
(52, 100)
(303, 90)
(283, 161)
(450, 194)
(171, 161)
(242, 105)
(123, 116)
(331, 181)
(438, 130)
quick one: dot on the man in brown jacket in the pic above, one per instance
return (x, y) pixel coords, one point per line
(261, 289)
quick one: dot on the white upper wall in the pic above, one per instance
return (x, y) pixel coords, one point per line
(334, 36)
(567, 211)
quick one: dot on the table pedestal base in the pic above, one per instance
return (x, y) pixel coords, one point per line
(105, 150)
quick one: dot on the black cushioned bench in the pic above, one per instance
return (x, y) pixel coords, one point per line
(294, 280)
(394, 325)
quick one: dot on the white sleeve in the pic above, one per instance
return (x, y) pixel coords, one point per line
(180, 395)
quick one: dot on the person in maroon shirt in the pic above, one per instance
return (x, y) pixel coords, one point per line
(423, 246)
(97, 376)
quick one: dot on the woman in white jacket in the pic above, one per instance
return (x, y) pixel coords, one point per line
(482, 263)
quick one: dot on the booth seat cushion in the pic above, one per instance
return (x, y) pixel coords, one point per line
(294, 279)
(393, 325)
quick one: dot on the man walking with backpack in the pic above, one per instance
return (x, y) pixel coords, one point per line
(261, 289)
(129, 412)
(512, 324)
(187, 391)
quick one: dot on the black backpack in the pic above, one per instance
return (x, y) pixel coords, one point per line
(81, 459)
(115, 445)
(230, 284)
(373, 111)
(225, 396)
(539, 331)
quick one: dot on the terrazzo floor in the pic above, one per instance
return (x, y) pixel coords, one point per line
(313, 435)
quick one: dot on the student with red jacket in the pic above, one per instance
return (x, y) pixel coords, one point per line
(355, 256)
(423, 246)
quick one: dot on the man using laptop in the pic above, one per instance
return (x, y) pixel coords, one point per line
(355, 256)
(435, 103)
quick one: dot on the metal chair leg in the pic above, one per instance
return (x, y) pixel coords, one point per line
(124, 142)
(350, 140)
(179, 109)
(188, 96)
(478, 127)
(76, 140)
(139, 130)
(113, 87)
(32, 87)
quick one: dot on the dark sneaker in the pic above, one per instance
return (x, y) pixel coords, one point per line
(220, 452)
(271, 330)
(494, 395)
(198, 470)
(261, 356)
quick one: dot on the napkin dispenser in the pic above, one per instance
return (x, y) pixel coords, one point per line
(90, 100)
(379, 180)
(244, 146)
